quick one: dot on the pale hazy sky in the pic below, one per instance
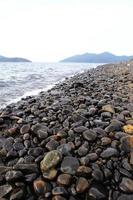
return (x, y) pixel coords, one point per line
(50, 30)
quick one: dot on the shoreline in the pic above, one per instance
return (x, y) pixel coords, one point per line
(74, 141)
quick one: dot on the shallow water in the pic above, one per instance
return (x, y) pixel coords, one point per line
(19, 80)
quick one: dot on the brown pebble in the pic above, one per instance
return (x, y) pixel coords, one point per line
(81, 185)
(64, 179)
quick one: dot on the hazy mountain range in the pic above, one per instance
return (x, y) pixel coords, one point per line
(15, 59)
(104, 57)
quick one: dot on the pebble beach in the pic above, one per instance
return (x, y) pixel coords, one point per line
(73, 142)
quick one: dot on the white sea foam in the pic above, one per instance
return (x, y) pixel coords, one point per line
(19, 80)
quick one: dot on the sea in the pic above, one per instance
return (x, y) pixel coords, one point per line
(18, 80)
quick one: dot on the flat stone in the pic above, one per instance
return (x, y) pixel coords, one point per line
(90, 135)
(109, 152)
(69, 165)
(82, 185)
(50, 160)
(126, 185)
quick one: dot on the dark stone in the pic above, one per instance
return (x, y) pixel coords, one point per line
(17, 194)
(126, 185)
(69, 165)
(13, 175)
(97, 191)
(52, 145)
(82, 185)
(35, 151)
(25, 129)
(114, 126)
(109, 152)
(80, 129)
(4, 190)
(90, 135)
(59, 191)
(18, 146)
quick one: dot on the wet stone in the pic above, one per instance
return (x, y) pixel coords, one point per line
(69, 165)
(50, 174)
(58, 197)
(13, 175)
(64, 179)
(59, 191)
(82, 185)
(51, 159)
(84, 171)
(97, 192)
(41, 187)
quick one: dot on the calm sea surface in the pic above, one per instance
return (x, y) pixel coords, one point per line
(19, 80)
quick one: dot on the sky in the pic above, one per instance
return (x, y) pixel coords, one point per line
(50, 30)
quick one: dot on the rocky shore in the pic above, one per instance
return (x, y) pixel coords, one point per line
(73, 142)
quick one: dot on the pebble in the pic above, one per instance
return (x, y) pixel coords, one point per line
(89, 135)
(108, 108)
(25, 129)
(109, 152)
(13, 175)
(50, 174)
(69, 165)
(82, 185)
(50, 160)
(5, 189)
(41, 187)
(126, 185)
(64, 179)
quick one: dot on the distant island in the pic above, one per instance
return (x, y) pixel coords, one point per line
(104, 57)
(15, 59)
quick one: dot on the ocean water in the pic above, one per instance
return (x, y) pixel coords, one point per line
(19, 80)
